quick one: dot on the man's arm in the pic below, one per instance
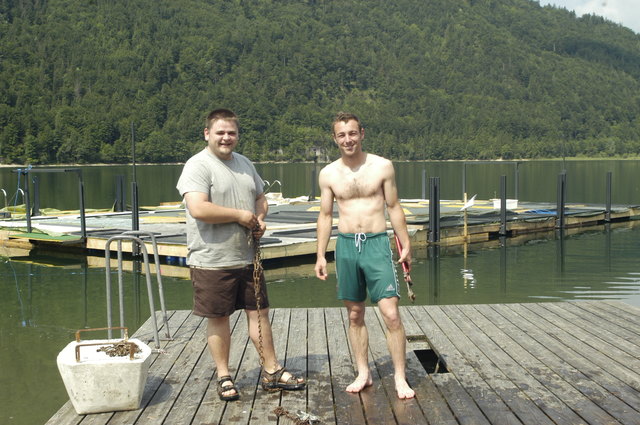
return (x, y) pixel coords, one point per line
(204, 210)
(396, 214)
(325, 223)
(262, 207)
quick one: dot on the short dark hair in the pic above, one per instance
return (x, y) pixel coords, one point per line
(345, 117)
(221, 114)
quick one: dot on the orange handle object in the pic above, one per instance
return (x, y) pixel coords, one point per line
(405, 266)
(405, 269)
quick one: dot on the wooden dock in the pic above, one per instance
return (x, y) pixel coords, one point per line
(291, 229)
(546, 363)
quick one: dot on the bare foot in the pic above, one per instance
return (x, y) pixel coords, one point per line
(361, 382)
(404, 390)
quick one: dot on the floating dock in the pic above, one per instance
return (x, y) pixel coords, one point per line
(291, 226)
(538, 364)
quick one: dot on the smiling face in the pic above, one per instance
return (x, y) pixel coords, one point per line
(222, 138)
(348, 136)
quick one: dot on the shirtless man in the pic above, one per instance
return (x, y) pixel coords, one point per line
(363, 184)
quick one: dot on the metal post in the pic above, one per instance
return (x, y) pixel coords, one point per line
(135, 218)
(607, 214)
(562, 198)
(434, 272)
(517, 178)
(27, 203)
(312, 197)
(503, 264)
(434, 210)
(424, 183)
(83, 217)
(120, 195)
(503, 205)
(135, 221)
(437, 186)
(36, 196)
(464, 177)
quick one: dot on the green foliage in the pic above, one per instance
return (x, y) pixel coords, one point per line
(443, 79)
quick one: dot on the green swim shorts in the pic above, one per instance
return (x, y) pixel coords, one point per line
(364, 262)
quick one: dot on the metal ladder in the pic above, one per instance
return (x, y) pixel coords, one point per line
(133, 237)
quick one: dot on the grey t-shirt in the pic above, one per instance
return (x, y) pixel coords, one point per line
(233, 183)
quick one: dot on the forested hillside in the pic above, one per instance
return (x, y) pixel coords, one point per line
(432, 79)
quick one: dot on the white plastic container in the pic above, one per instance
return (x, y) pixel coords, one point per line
(97, 382)
(512, 204)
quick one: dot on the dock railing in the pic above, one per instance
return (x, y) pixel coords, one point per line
(132, 236)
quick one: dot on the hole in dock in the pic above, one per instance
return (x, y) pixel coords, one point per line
(430, 361)
(428, 358)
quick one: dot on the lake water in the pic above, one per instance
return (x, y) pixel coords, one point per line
(536, 181)
(45, 298)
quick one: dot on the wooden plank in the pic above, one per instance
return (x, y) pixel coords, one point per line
(517, 363)
(295, 360)
(563, 359)
(411, 328)
(247, 379)
(265, 402)
(623, 322)
(632, 312)
(348, 407)
(374, 399)
(442, 333)
(434, 406)
(405, 411)
(515, 385)
(162, 402)
(211, 408)
(202, 376)
(592, 346)
(549, 369)
(599, 327)
(464, 407)
(521, 391)
(161, 367)
(617, 312)
(319, 384)
(588, 361)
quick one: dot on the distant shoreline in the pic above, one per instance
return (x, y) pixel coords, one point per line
(634, 158)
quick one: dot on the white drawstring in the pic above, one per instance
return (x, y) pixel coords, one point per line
(360, 238)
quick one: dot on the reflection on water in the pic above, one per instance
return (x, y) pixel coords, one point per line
(45, 299)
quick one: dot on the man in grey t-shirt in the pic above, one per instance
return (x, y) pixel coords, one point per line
(225, 209)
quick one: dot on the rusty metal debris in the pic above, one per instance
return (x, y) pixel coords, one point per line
(120, 349)
(299, 418)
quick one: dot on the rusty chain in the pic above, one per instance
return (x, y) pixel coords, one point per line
(300, 418)
(257, 274)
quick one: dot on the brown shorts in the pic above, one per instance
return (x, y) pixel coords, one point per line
(218, 293)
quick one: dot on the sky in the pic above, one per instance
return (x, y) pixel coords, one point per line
(625, 12)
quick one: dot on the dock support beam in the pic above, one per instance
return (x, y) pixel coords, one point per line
(607, 213)
(503, 206)
(36, 196)
(434, 209)
(562, 199)
(119, 204)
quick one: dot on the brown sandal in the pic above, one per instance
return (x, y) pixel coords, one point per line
(225, 388)
(273, 381)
